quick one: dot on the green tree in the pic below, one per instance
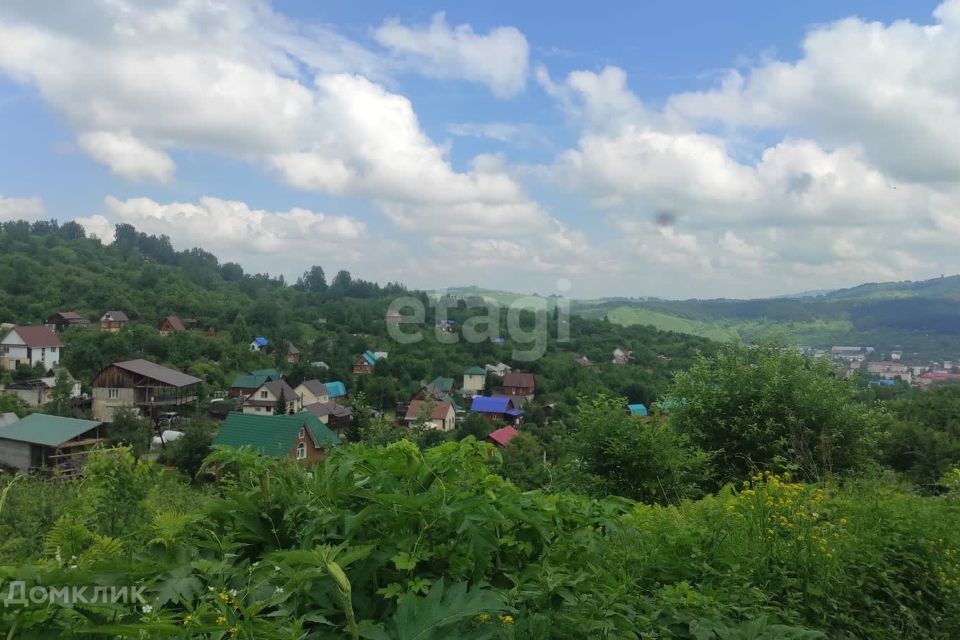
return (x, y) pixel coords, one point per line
(188, 452)
(128, 429)
(13, 404)
(280, 408)
(773, 408)
(61, 402)
(523, 462)
(474, 425)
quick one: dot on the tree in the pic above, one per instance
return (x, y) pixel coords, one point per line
(475, 426)
(280, 408)
(360, 422)
(188, 451)
(13, 404)
(128, 429)
(61, 400)
(642, 460)
(523, 462)
(773, 408)
(313, 280)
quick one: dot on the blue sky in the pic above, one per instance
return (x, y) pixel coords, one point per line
(787, 146)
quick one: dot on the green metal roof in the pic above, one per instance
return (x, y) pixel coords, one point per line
(272, 435)
(273, 374)
(254, 379)
(50, 431)
(442, 384)
(475, 371)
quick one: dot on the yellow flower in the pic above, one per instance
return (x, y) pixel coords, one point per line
(224, 596)
(484, 618)
(234, 630)
(843, 522)
(221, 620)
(506, 619)
(188, 619)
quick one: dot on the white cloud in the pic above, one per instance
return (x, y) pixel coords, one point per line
(30, 209)
(127, 156)
(498, 59)
(240, 80)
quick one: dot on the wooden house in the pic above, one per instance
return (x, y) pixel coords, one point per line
(63, 320)
(517, 383)
(441, 417)
(301, 436)
(113, 321)
(171, 324)
(143, 385)
(293, 354)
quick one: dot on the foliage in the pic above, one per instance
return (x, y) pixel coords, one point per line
(772, 408)
(188, 452)
(128, 429)
(925, 440)
(61, 402)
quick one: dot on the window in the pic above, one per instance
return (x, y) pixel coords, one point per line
(263, 394)
(113, 394)
(302, 451)
(301, 433)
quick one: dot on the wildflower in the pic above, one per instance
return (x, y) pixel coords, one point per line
(146, 608)
(224, 596)
(278, 590)
(187, 619)
(234, 630)
(484, 618)
(843, 522)
(221, 620)
(276, 568)
(209, 587)
(233, 593)
(507, 619)
(730, 508)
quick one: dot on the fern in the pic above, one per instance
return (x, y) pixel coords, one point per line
(67, 537)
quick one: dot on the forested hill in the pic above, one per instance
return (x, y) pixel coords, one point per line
(47, 267)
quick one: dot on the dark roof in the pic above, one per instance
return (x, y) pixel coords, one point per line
(276, 387)
(292, 350)
(50, 431)
(330, 408)
(272, 435)
(154, 371)
(503, 436)
(519, 379)
(316, 387)
(518, 401)
(175, 323)
(37, 336)
(440, 411)
(68, 315)
(119, 316)
(484, 404)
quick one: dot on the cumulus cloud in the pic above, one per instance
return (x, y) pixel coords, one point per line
(30, 209)
(498, 59)
(240, 80)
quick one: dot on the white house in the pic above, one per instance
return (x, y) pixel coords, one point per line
(312, 391)
(474, 380)
(30, 345)
(264, 399)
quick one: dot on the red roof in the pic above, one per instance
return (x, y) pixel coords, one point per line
(38, 336)
(503, 436)
(441, 410)
(175, 323)
(520, 380)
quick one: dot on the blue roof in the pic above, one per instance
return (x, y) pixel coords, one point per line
(260, 341)
(514, 412)
(370, 357)
(887, 382)
(637, 409)
(335, 389)
(485, 404)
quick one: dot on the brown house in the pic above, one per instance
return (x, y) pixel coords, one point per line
(171, 324)
(293, 354)
(143, 385)
(113, 321)
(63, 320)
(517, 383)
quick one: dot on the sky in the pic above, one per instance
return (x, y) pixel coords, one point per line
(682, 149)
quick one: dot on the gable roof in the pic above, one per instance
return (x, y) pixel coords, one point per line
(637, 409)
(119, 316)
(272, 374)
(248, 381)
(272, 435)
(37, 336)
(474, 371)
(441, 410)
(292, 350)
(369, 356)
(519, 379)
(276, 387)
(485, 404)
(315, 387)
(329, 408)
(68, 315)
(503, 436)
(154, 371)
(50, 431)
(440, 384)
(175, 323)
(336, 389)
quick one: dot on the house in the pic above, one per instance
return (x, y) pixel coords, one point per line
(39, 391)
(888, 369)
(622, 356)
(474, 381)
(49, 444)
(336, 389)
(258, 344)
(441, 416)
(937, 377)
(113, 321)
(896, 355)
(244, 385)
(517, 383)
(336, 416)
(300, 436)
(502, 437)
(637, 410)
(63, 320)
(310, 391)
(583, 361)
(265, 397)
(496, 409)
(143, 385)
(30, 345)
(439, 389)
(171, 324)
(293, 354)
(498, 369)
(367, 361)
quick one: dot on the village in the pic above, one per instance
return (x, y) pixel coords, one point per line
(888, 367)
